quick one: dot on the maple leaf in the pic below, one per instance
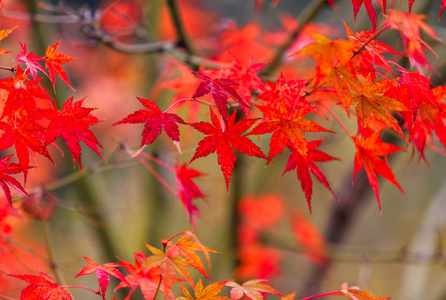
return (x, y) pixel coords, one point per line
(221, 89)
(6, 180)
(409, 26)
(147, 280)
(246, 77)
(72, 124)
(282, 90)
(368, 7)
(156, 120)
(286, 124)
(53, 61)
(188, 249)
(31, 60)
(328, 54)
(305, 163)
(169, 265)
(372, 54)
(370, 150)
(374, 102)
(355, 293)
(253, 289)
(103, 273)
(21, 101)
(4, 34)
(42, 287)
(223, 139)
(209, 292)
(419, 89)
(25, 138)
(187, 190)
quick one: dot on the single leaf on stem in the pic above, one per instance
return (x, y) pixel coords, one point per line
(253, 289)
(224, 139)
(221, 89)
(102, 272)
(370, 154)
(31, 60)
(210, 292)
(304, 164)
(188, 249)
(53, 61)
(156, 120)
(72, 124)
(286, 125)
(42, 287)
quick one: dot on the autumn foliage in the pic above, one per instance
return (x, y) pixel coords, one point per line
(245, 95)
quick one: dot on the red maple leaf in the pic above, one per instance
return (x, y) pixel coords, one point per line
(187, 190)
(72, 124)
(42, 287)
(31, 60)
(25, 137)
(370, 151)
(53, 61)
(419, 89)
(103, 273)
(443, 6)
(156, 120)
(246, 77)
(368, 7)
(304, 164)
(223, 139)
(21, 101)
(221, 89)
(286, 124)
(6, 180)
(409, 26)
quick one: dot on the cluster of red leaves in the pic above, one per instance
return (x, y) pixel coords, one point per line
(351, 73)
(30, 120)
(152, 273)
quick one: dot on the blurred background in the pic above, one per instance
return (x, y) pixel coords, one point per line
(112, 208)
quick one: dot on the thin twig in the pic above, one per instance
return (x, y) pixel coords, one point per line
(304, 18)
(51, 253)
(183, 40)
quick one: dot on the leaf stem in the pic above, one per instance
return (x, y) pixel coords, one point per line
(7, 69)
(179, 101)
(51, 253)
(158, 287)
(337, 119)
(80, 287)
(307, 14)
(324, 295)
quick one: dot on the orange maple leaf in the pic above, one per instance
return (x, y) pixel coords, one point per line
(210, 292)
